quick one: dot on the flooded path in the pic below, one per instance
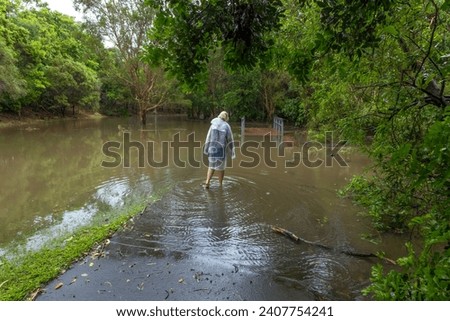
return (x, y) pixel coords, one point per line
(193, 244)
(197, 244)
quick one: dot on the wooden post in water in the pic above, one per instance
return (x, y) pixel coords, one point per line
(242, 129)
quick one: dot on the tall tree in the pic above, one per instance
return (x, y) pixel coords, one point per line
(71, 85)
(124, 24)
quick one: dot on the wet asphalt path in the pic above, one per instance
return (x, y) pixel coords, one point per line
(165, 254)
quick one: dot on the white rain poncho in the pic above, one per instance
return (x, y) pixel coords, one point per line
(219, 142)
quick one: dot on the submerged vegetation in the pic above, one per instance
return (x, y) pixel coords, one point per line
(25, 274)
(375, 72)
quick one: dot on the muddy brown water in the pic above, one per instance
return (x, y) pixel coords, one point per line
(60, 176)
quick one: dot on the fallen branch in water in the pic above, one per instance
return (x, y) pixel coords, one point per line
(297, 239)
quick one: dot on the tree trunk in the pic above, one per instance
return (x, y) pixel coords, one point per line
(268, 103)
(143, 115)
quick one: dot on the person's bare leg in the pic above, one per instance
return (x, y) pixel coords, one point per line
(209, 175)
(221, 174)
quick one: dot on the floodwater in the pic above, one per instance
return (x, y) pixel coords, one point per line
(60, 176)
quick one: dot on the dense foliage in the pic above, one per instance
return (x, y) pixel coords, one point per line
(46, 61)
(50, 63)
(396, 93)
(374, 70)
(256, 94)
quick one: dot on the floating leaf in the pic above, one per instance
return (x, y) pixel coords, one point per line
(59, 285)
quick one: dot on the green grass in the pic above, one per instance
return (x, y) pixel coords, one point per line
(23, 275)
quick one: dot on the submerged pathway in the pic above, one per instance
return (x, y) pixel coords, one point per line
(197, 244)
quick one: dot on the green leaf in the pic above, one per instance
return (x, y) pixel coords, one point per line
(446, 5)
(391, 30)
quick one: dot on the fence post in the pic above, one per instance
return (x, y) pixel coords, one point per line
(278, 125)
(242, 129)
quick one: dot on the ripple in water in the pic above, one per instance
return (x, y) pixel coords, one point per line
(217, 223)
(113, 192)
(232, 224)
(321, 273)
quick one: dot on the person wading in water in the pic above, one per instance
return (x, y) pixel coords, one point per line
(219, 142)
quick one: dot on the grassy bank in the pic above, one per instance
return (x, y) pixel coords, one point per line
(23, 276)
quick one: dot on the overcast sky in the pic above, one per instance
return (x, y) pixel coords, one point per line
(64, 6)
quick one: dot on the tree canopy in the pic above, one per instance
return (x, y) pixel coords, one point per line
(185, 32)
(43, 52)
